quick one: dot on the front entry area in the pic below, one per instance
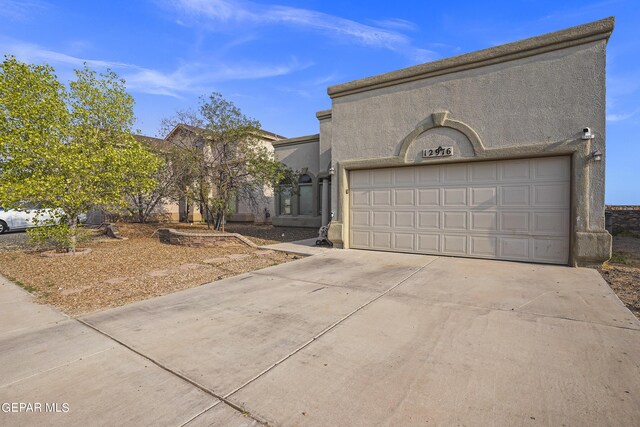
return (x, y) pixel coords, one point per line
(507, 209)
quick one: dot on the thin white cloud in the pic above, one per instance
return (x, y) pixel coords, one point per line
(215, 13)
(20, 10)
(323, 81)
(620, 117)
(397, 24)
(28, 52)
(188, 78)
(197, 78)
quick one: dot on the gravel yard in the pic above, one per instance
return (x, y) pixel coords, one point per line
(12, 240)
(119, 272)
(622, 272)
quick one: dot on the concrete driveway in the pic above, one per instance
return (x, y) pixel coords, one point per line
(342, 338)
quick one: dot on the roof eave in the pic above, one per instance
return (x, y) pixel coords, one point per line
(562, 39)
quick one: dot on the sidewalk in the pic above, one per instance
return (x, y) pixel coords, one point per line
(66, 373)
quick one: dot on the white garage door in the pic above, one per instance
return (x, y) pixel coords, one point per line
(507, 209)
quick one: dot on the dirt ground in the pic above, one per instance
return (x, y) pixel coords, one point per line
(622, 272)
(118, 272)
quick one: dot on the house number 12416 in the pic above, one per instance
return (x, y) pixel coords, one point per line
(437, 152)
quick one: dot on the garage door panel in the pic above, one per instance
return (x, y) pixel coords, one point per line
(515, 170)
(548, 248)
(511, 222)
(484, 171)
(381, 239)
(550, 223)
(551, 169)
(382, 177)
(404, 219)
(484, 221)
(517, 195)
(429, 220)
(514, 209)
(404, 197)
(455, 173)
(514, 247)
(552, 195)
(454, 244)
(360, 198)
(454, 197)
(359, 179)
(428, 243)
(381, 198)
(484, 196)
(381, 219)
(484, 246)
(361, 239)
(404, 241)
(428, 176)
(361, 218)
(405, 176)
(456, 220)
(429, 197)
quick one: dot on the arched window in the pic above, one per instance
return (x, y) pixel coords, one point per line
(305, 188)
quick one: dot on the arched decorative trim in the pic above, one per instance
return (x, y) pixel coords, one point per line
(441, 119)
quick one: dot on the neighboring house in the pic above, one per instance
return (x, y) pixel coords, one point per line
(305, 206)
(258, 210)
(166, 210)
(492, 154)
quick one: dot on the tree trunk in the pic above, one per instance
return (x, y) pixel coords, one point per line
(141, 216)
(73, 234)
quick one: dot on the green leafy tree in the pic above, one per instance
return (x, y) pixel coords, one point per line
(223, 158)
(145, 204)
(67, 150)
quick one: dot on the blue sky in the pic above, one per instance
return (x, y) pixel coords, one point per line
(276, 59)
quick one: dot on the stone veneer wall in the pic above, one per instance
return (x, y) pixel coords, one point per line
(174, 237)
(622, 218)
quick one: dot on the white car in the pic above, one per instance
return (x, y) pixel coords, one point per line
(20, 220)
(13, 219)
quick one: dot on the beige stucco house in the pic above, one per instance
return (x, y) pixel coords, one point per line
(494, 154)
(257, 210)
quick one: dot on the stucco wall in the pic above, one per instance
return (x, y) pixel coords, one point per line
(527, 99)
(546, 98)
(300, 155)
(253, 209)
(324, 118)
(248, 209)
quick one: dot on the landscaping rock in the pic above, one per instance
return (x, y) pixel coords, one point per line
(214, 260)
(264, 252)
(238, 256)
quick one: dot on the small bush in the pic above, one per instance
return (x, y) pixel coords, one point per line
(58, 236)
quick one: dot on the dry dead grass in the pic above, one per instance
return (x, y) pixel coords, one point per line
(622, 271)
(120, 272)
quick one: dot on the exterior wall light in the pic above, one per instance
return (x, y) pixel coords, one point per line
(597, 155)
(332, 171)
